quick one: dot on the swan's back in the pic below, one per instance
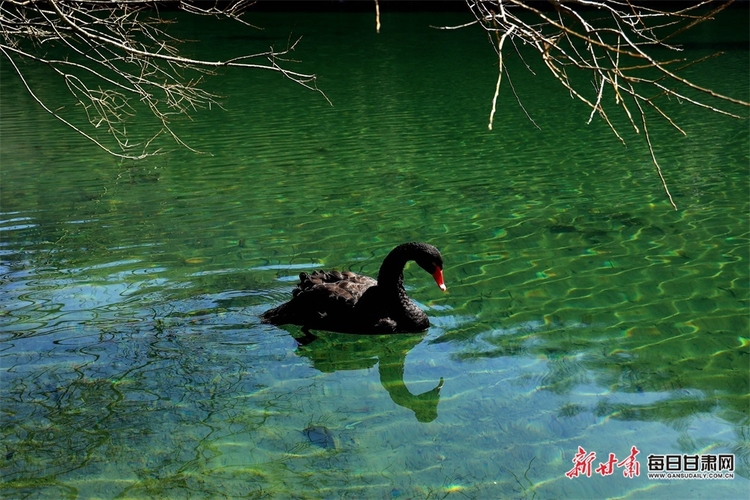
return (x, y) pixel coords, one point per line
(335, 285)
(323, 300)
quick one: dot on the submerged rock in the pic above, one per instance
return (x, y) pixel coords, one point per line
(320, 436)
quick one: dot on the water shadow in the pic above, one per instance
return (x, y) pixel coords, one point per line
(331, 352)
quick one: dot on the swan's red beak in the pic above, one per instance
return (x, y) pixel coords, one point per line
(438, 275)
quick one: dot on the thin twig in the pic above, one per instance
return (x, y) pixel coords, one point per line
(499, 73)
(653, 156)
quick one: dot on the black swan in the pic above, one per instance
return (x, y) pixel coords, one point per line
(351, 303)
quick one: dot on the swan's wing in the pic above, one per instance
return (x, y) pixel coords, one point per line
(324, 300)
(334, 285)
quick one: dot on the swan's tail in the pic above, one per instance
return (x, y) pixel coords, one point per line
(281, 315)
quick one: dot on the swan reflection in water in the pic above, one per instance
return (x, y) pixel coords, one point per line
(334, 352)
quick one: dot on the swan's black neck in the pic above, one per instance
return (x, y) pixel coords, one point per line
(391, 275)
(391, 287)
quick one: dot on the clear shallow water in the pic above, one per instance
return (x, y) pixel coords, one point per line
(582, 310)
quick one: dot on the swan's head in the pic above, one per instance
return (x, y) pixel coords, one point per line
(430, 260)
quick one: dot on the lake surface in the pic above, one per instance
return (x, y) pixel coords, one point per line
(582, 311)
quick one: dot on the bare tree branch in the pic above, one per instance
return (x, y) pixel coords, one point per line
(616, 50)
(124, 46)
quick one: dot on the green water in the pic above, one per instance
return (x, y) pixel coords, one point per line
(581, 309)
